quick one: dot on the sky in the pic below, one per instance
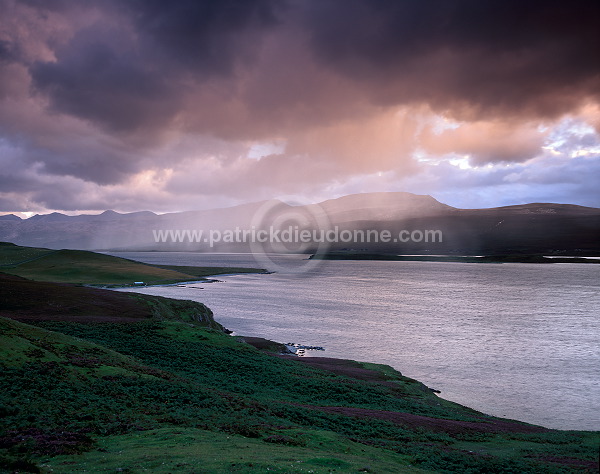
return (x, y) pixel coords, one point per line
(193, 104)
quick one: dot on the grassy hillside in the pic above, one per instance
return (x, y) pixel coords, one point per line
(82, 407)
(169, 391)
(83, 267)
(11, 254)
(28, 300)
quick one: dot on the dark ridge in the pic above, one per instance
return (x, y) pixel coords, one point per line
(10, 217)
(24, 300)
(27, 300)
(52, 217)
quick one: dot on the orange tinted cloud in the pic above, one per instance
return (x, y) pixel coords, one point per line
(100, 93)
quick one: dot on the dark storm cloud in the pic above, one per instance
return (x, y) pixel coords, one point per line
(7, 59)
(135, 97)
(96, 164)
(105, 83)
(205, 36)
(6, 51)
(94, 160)
(535, 56)
(136, 75)
(49, 5)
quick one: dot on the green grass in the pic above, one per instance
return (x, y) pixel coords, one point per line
(83, 267)
(79, 266)
(104, 396)
(211, 358)
(21, 344)
(192, 450)
(103, 381)
(563, 445)
(11, 254)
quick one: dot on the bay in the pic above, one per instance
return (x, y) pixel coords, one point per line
(514, 340)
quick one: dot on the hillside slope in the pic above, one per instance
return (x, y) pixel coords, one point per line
(164, 390)
(27, 300)
(85, 267)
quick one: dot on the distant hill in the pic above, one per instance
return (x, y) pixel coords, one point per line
(537, 228)
(52, 217)
(9, 217)
(85, 267)
(382, 206)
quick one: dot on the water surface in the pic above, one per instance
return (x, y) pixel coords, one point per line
(513, 340)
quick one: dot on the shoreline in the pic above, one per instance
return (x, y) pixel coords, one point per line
(497, 259)
(350, 353)
(280, 349)
(325, 406)
(207, 279)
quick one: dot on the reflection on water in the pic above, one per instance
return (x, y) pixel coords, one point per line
(514, 340)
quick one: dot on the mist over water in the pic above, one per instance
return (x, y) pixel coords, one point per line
(513, 340)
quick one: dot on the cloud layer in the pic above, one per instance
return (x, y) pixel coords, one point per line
(163, 105)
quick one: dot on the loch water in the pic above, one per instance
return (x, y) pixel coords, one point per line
(520, 341)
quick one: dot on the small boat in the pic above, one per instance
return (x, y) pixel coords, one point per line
(301, 352)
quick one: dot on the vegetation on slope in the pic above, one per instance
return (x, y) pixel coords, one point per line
(27, 300)
(140, 390)
(84, 267)
(11, 254)
(167, 394)
(101, 381)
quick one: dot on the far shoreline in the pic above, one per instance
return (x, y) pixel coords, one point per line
(536, 259)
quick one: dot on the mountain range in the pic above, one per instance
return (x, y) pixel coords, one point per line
(536, 228)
